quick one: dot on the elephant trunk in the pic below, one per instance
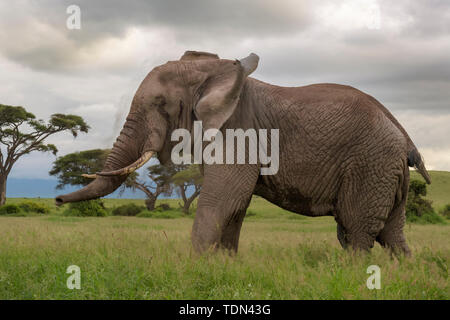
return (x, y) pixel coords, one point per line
(127, 149)
(98, 188)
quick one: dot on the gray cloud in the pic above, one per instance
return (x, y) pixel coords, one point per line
(43, 42)
(426, 18)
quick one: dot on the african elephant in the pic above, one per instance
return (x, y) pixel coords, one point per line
(341, 152)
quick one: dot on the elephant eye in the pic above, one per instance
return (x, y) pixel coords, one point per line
(159, 101)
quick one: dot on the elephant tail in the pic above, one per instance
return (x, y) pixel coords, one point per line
(415, 160)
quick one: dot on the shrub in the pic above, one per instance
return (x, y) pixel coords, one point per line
(159, 213)
(250, 213)
(90, 208)
(446, 211)
(164, 206)
(30, 206)
(130, 209)
(429, 218)
(419, 209)
(418, 188)
(9, 209)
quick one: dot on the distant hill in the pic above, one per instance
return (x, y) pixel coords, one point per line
(438, 191)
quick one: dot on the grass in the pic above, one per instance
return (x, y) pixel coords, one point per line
(135, 258)
(281, 256)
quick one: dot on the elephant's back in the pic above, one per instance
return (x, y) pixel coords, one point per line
(340, 109)
(329, 116)
(337, 125)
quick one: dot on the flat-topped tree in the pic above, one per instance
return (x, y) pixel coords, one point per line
(75, 168)
(160, 183)
(188, 178)
(164, 179)
(21, 133)
(71, 168)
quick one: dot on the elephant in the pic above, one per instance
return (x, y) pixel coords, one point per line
(341, 152)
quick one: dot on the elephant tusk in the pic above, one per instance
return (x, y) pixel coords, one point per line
(131, 168)
(89, 176)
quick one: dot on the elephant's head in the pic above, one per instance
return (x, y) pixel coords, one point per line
(199, 86)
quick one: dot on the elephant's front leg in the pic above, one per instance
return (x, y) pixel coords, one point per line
(225, 196)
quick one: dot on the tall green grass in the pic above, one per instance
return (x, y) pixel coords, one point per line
(135, 258)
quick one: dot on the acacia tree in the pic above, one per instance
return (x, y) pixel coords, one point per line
(160, 183)
(188, 177)
(69, 168)
(21, 133)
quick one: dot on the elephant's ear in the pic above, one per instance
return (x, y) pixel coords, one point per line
(220, 92)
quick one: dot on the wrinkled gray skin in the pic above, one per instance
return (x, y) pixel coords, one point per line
(342, 153)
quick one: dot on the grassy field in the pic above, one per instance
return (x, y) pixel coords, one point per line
(138, 258)
(281, 256)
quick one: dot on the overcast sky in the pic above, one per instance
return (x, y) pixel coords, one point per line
(397, 51)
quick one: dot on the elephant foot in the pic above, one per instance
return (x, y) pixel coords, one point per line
(395, 242)
(342, 237)
(216, 238)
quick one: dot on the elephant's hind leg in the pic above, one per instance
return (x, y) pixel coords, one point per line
(364, 202)
(354, 232)
(391, 236)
